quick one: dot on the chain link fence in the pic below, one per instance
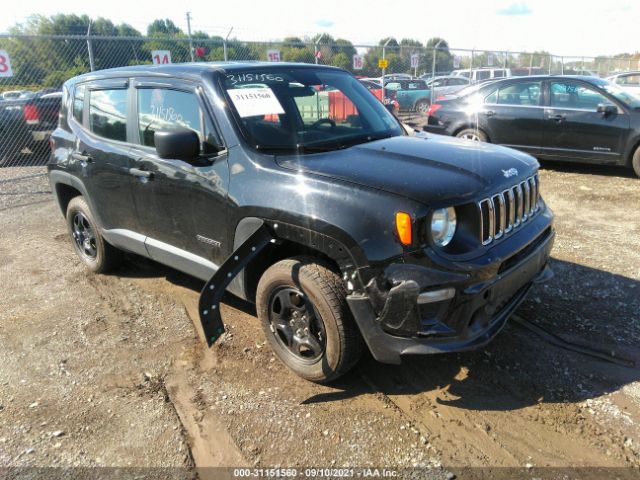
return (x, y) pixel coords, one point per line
(34, 67)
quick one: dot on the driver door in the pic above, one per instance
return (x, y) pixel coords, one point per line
(575, 130)
(182, 206)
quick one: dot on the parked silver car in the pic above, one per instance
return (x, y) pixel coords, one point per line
(447, 84)
(628, 81)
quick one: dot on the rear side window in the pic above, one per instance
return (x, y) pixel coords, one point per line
(524, 93)
(483, 74)
(78, 103)
(108, 113)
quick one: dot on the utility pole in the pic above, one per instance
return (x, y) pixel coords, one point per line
(189, 34)
(92, 64)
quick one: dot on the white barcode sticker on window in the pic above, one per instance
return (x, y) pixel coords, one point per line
(251, 102)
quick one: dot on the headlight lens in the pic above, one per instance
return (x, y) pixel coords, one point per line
(443, 226)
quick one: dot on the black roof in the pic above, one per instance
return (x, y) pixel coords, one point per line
(195, 69)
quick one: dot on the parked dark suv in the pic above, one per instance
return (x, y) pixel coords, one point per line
(568, 118)
(342, 229)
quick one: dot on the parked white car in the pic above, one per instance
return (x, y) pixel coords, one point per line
(628, 81)
(479, 74)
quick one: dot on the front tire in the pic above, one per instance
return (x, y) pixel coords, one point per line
(473, 134)
(87, 242)
(301, 304)
(635, 162)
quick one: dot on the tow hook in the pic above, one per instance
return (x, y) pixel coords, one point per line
(213, 291)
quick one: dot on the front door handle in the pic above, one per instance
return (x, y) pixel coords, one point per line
(141, 173)
(557, 118)
(81, 157)
(489, 113)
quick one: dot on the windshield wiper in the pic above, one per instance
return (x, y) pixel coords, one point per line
(297, 148)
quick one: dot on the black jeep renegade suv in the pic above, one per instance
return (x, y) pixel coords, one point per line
(293, 187)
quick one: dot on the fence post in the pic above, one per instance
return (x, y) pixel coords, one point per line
(561, 65)
(471, 66)
(504, 61)
(384, 70)
(530, 63)
(224, 44)
(92, 64)
(433, 69)
(189, 34)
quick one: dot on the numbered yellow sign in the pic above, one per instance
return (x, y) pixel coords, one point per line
(383, 63)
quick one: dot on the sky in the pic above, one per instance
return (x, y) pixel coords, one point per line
(562, 27)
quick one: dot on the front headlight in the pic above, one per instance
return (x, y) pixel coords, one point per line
(443, 226)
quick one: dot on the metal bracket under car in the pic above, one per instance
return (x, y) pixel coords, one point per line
(213, 291)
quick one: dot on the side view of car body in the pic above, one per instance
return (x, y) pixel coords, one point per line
(345, 232)
(447, 84)
(480, 74)
(412, 95)
(27, 123)
(567, 118)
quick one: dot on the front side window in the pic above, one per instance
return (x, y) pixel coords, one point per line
(305, 110)
(78, 103)
(164, 109)
(483, 74)
(525, 93)
(108, 113)
(575, 95)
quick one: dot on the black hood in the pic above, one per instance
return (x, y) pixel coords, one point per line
(431, 170)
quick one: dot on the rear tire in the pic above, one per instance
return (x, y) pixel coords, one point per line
(635, 162)
(91, 248)
(301, 304)
(473, 134)
(422, 107)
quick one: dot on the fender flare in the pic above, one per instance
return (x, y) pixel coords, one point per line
(254, 235)
(57, 177)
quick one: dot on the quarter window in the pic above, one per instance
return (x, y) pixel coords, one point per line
(575, 95)
(78, 103)
(108, 113)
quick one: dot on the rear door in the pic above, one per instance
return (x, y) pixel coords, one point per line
(182, 206)
(101, 150)
(513, 115)
(574, 130)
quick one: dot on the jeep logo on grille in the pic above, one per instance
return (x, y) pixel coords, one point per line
(512, 172)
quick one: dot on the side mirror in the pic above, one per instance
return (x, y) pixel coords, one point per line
(178, 144)
(607, 109)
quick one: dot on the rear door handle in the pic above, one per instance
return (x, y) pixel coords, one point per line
(81, 157)
(141, 173)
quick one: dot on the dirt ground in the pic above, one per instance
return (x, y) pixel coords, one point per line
(109, 370)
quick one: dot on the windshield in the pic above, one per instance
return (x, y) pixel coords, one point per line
(305, 110)
(621, 95)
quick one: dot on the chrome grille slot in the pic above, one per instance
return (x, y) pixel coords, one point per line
(526, 192)
(500, 219)
(511, 209)
(503, 212)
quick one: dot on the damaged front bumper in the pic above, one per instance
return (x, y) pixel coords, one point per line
(427, 310)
